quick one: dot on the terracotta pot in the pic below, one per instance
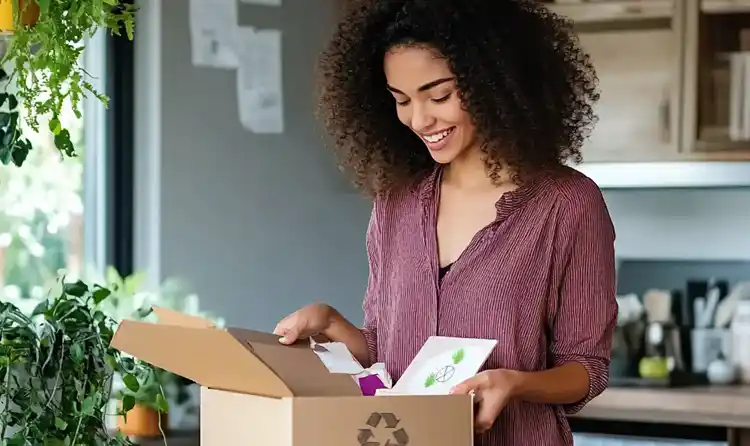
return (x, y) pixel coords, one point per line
(142, 422)
(29, 14)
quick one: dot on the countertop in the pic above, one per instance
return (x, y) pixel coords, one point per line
(707, 406)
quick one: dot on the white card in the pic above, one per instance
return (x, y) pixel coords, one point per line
(443, 362)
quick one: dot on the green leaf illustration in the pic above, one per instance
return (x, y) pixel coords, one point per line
(430, 381)
(458, 356)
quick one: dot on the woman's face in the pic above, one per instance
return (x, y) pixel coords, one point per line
(427, 101)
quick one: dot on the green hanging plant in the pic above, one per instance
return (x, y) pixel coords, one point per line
(43, 60)
(57, 371)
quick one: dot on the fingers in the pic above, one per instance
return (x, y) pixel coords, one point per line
(466, 386)
(289, 336)
(286, 329)
(489, 410)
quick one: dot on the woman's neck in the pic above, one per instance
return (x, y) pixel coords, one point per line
(470, 172)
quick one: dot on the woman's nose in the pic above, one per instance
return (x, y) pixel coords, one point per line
(421, 119)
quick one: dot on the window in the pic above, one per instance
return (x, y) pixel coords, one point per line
(57, 214)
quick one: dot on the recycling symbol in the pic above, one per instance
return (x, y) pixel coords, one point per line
(388, 421)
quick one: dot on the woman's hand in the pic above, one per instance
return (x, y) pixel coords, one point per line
(492, 390)
(304, 323)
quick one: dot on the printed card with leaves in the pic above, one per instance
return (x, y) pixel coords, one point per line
(443, 362)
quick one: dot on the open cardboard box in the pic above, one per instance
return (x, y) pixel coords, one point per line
(255, 391)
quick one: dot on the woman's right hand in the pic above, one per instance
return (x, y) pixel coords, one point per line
(304, 323)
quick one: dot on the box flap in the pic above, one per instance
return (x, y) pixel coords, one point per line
(167, 316)
(211, 357)
(297, 365)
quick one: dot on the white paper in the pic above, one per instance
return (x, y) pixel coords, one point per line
(337, 358)
(213, 24)
(443, 362)
(263, 2)
(259, 80)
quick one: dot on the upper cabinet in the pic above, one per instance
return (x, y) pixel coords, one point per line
(717, 79)
(670, 74)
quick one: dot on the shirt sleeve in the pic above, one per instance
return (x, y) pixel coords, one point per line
(587, 307)
(369, 306)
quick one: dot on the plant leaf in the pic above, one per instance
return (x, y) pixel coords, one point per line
(161, 403)
(43, 7)
(131, 382)
(100, 294)
(77, 289)
(87, 408)
(60, 423)
(40, 308)
(128, 403)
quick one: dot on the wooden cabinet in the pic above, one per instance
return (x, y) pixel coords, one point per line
(663, 68)
(717, 66)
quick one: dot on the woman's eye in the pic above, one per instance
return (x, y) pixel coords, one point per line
(402, 103)
(443, 99)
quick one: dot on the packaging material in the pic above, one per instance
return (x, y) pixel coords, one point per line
(255, 390)
(338, 359)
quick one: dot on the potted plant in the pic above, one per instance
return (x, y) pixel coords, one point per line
(130, 299)
(43, 71)
(57, 369)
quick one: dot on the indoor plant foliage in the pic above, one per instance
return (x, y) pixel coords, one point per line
(57, 368)
(43, 63)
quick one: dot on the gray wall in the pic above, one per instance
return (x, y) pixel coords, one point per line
(259, 224)
(262, 224)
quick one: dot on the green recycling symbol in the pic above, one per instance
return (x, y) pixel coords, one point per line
(398, 436)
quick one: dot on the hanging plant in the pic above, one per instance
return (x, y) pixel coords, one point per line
(44, 74)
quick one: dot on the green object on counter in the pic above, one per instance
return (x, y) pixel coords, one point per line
(653, 367)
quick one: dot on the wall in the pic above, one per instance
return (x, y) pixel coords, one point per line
(261, 224)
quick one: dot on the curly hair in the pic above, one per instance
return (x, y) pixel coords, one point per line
(520, 73)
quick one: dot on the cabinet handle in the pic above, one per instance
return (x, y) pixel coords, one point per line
(665, 116)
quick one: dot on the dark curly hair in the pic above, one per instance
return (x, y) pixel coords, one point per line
(520, 72)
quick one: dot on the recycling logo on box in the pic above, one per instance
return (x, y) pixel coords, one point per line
(384, 422)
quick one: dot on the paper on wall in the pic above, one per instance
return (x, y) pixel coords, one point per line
(213, 24)
(263, 2)
(259, 80)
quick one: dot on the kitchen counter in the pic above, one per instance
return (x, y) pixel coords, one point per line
(726, 407)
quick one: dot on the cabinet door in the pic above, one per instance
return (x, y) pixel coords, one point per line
(635, 47)
(717, 79)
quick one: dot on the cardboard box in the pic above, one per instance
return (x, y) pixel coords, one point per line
(255, 391)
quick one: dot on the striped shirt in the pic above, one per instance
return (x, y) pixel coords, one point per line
(540, 279)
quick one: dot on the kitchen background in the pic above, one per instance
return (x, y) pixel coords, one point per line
(262, 224)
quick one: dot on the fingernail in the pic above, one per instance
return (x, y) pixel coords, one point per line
(282, 340)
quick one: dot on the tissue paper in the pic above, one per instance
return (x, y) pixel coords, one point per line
(338, 359)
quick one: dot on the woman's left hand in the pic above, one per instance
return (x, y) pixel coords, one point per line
(492, 390)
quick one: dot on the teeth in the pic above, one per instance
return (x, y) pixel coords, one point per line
(437, 137)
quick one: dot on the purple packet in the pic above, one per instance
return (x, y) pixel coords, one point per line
(369, 384)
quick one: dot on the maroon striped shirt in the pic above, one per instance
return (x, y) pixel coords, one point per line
(540, 279)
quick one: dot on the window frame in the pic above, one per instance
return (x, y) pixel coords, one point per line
(109, 160)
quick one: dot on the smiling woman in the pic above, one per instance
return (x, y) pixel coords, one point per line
(457, 117)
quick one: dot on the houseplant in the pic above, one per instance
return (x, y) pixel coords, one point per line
(44, 74)
(130, 299)
(57, 369)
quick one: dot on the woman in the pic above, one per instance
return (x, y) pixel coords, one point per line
(457, 116)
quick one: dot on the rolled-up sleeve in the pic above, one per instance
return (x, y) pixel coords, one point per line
(586, 311)
(370, 306)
